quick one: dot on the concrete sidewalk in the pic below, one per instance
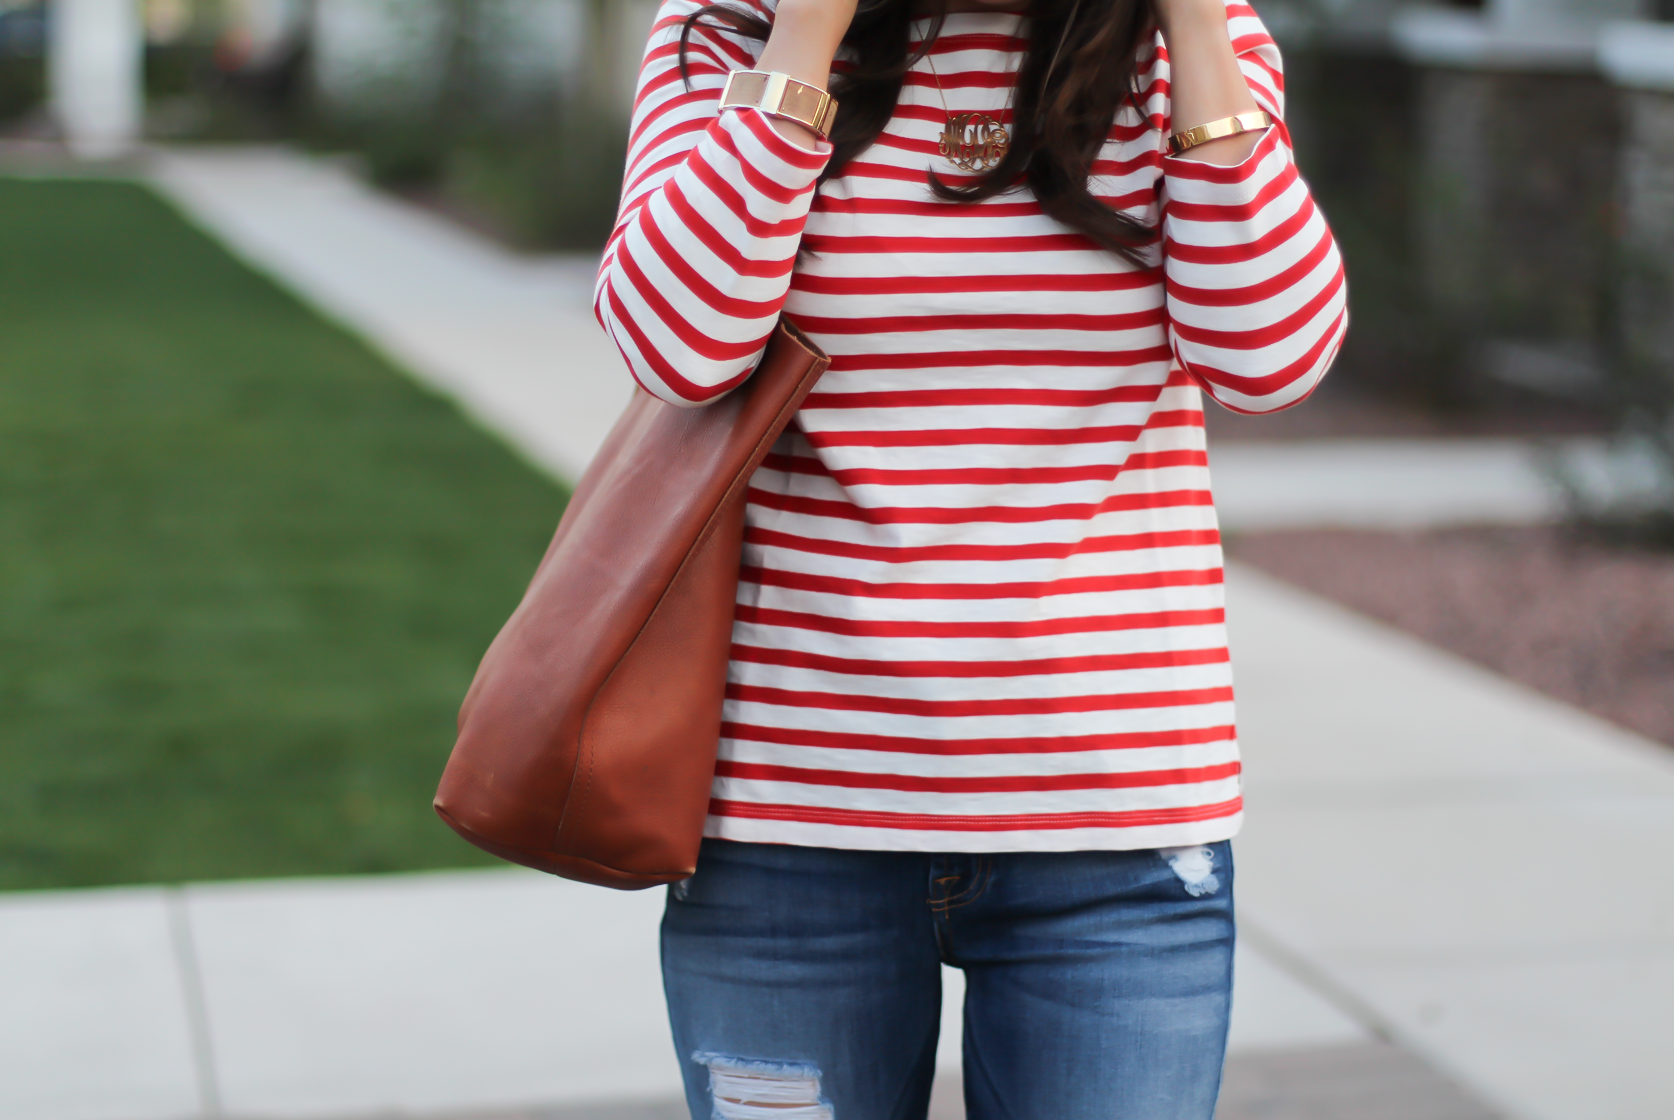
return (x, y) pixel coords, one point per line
(412, 994)
(1433, 854)
(1474, 867)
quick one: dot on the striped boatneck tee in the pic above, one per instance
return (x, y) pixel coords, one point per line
(981, 603)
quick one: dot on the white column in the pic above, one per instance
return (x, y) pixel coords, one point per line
(96, 56)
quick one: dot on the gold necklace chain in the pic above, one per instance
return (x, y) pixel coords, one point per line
(976, 141)
(972, 142)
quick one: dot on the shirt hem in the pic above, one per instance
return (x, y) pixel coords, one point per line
(814, 835)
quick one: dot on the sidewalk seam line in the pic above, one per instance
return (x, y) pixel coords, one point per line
(197, 1008)
(1382, 1027)
(1312, 977)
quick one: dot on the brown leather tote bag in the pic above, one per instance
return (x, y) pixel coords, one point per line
(587, 741)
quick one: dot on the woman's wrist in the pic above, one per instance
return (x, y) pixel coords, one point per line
(1189, 15)
(805, 39)
(1205, 81)
(820, 24)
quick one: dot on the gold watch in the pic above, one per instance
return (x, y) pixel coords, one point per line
(780, 95)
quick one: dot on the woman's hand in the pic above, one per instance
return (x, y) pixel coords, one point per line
(1205, 82)
(806, 35)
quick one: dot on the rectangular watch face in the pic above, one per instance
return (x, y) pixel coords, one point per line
(744, 89)
(804, 103)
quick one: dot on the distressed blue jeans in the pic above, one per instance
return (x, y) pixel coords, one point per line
(805, 983)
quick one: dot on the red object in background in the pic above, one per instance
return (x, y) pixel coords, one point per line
(233, 50)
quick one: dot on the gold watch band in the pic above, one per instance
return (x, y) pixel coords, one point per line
(780, 95)
(1215, 130)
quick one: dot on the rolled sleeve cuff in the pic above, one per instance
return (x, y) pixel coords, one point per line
(1215, 184)
(758, 143)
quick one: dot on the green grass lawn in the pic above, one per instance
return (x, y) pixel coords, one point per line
(246, 566)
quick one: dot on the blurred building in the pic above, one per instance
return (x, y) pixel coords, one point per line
(378, 54)
(22, 54)
(1500, 172)
(372, 56)
(1521, 131)
(88, 63)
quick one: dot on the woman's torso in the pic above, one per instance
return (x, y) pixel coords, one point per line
(981, 606)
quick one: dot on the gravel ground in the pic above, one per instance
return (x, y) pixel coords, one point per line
(1585, 621)
(1340, 409)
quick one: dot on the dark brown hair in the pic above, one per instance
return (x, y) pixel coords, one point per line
(1081, 65)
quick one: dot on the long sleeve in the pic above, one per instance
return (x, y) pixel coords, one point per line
(713, 206)
(1256, 297)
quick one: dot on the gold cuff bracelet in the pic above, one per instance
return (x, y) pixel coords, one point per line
(1215, 130)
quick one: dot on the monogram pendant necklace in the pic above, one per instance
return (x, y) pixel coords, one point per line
(971, 142)
(976, 142)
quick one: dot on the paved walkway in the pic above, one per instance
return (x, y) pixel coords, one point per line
(355, 997)
(1434, 856)
(1475, 867)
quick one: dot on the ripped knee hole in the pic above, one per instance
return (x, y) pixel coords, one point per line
(744, 1089)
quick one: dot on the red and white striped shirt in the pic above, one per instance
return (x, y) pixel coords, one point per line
(981, 601)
